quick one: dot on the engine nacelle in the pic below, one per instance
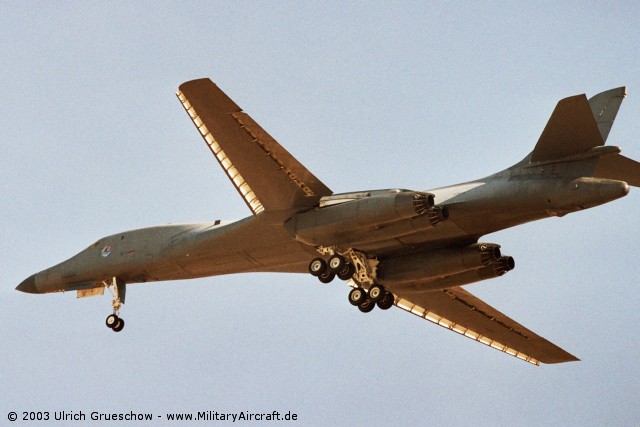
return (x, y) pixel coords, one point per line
(424, 266)
(503, 265)
(342, 217)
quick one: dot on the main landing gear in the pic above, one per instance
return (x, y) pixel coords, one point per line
(367, 302)
(113, 321)
(354, 266)
(326, 271)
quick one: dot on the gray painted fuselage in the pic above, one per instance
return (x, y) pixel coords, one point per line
(261, 243)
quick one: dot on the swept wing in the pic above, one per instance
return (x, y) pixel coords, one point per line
(264, 173)
(459, 311)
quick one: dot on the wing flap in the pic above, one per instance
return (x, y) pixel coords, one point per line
(461, 312)
(266, 175)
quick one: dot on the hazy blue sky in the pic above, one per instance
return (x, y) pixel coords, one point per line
(366, 95)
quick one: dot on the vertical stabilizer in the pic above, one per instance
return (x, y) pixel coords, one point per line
(605, 107)
(570, 131)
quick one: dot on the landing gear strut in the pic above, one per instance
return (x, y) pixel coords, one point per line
(355, 266)
(113, 321)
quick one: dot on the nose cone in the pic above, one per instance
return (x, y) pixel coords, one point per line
(28, 285)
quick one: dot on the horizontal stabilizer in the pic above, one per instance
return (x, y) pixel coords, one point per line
(605, 107)
(570, 131)
(618, 167)
(264, 173)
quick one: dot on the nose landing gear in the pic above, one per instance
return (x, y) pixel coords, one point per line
(113, 321)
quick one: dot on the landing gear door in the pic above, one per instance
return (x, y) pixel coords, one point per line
(93, 292)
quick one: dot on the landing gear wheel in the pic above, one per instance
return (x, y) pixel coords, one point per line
(357, 296)
(336, 263)
(119, 326)
(347, 272)
(376, 292)
(367, 306)
(327, 276)
(111, 321)
(317, 266)
(386, 302)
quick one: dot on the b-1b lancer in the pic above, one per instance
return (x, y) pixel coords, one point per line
(412, 249)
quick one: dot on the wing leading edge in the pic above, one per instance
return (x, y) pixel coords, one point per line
(458, 310)
(264, 173)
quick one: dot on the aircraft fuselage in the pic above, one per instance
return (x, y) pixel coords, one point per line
(185, 251)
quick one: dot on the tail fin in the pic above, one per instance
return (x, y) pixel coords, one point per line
(605, 107)
(265, 174)
(578, 126)
(571, 130)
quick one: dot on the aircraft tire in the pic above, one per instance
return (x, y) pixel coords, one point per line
(327, 276)
(347, 272)
(119, 326)
(376, 292)
(111, 321)
(366, 306)
(386, 302)
(317, 266)
(357, 296)
(336, 263)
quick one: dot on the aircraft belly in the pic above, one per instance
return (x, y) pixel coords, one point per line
(439, 236)
(496, 203)
(205, 266)
(249, 245)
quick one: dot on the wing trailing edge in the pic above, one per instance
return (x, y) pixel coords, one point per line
(266, 175)
(460, 311)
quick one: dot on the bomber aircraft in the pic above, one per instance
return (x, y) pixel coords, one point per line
(411, 249)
